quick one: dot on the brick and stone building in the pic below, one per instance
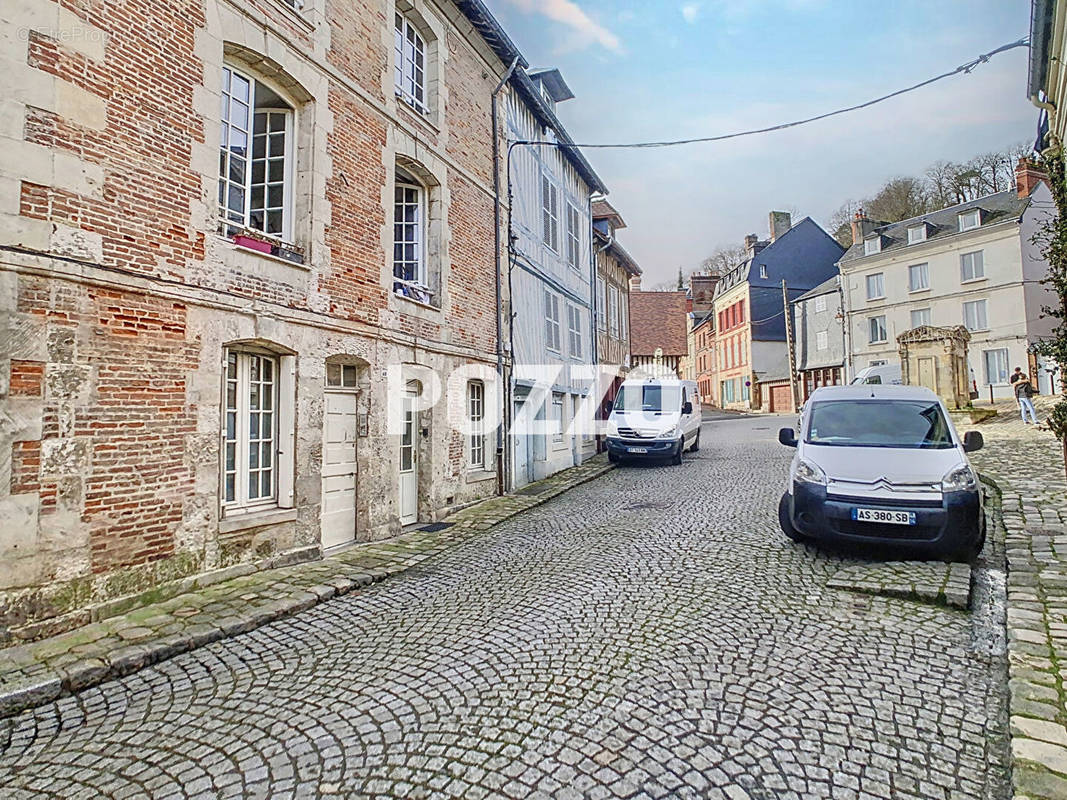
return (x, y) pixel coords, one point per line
(222, 224)
(659, 344)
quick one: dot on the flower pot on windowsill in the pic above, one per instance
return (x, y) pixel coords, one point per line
(252, 243)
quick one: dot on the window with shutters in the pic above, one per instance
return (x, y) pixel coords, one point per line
(601, 304)
(574, 320)
(574, 237)
(552, 321)
(550, 213)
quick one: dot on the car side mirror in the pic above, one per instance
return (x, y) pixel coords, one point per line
(787, 437)
(972, 440)
(687, 407)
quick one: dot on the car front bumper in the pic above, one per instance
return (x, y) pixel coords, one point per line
(654, 448)
(942, 528)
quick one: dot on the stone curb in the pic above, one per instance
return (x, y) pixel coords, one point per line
(1038, 716)
(27, 682)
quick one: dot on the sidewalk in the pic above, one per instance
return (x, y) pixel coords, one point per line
(1027, 466)
(39, 672)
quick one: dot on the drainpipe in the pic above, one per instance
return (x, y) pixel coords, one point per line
(502, 429)
(846, 322)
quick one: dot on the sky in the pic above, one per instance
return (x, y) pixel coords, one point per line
(670, 70)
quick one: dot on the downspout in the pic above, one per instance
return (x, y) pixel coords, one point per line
(502, 429)
(846, 323)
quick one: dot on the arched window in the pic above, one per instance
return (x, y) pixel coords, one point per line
(256, 163)
(409, 238)
(409, 73)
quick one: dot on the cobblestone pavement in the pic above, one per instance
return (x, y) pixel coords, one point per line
(1027, 465)
(648, 634)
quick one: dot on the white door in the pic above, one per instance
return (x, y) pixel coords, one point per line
(409, 456)
(339, 470)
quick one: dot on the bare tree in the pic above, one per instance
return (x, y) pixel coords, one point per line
(841, 222)
(900, 198)
(723, 259)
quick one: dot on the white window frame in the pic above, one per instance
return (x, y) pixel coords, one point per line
(476, 418)
(601, 304)
(976, 259)
(574, 236)
(556, 409)
(822, 340)
(916, 234)
(980, 309)
(763, 271)
(552, 321)
(924, 317)
(624, 315)
(1000, 351)
(549, 213)
(879, 322)
(613, 311)
(879, 284)
(574, 320)
(970, 219)
(419, 279)
(236, 424)
(922, 270)
(872, 245)
(409, 76)
(235, 177)
(820, 304)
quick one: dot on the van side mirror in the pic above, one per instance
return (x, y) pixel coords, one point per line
(687, 407)
(787, 437)
(972, 440)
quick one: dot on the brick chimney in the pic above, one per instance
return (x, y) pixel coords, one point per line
(862, 226)
(1027, 176)
(752, 244)
(778, 223)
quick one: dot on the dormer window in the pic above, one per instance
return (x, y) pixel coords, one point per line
(917, 233)
(969, 220)
(872, 245)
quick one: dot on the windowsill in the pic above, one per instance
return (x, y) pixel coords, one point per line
(919, 291)
(256, 519)
(415, 302)
(294, 14)
(880, 341)
(973, 331)
(237, 248)
(973, 280)
(422, 117)
(876, 299)
(479, 475)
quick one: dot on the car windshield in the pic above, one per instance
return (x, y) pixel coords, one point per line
(652, 397)
(879, 423)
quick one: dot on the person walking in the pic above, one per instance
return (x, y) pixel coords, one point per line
(1023, 392)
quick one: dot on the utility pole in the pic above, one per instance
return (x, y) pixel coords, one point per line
(790, 346)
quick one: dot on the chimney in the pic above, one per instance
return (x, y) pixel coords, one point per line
(751, 243)
(862, 226)
(778, 223)
(1027, 176)
(635, 283)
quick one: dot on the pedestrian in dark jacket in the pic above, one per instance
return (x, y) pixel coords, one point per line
(1023, 392)
(1016, 375)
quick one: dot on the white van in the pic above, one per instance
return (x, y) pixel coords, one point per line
(654, 418)
(881, 374)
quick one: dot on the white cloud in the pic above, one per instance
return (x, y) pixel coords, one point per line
(570, 14)
(690, 11)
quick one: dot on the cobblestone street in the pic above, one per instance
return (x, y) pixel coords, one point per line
(647, 634)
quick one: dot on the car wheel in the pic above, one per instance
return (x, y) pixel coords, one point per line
(971, 552)
(696, 444)
(785, 523)
(614, 459)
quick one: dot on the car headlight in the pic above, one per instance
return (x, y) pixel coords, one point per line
(806, 472)
(959, 479)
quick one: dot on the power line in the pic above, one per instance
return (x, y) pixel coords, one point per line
(964, 69)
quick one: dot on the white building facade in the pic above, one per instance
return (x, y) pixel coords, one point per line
(972, 264)
(551, 280)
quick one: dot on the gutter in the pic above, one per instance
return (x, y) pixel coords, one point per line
(503, 429)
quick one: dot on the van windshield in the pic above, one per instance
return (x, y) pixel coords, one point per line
(652, 397)
(879, 423)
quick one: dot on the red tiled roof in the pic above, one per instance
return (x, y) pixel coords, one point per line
(658, 319)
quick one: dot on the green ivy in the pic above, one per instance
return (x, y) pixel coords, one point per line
(1051, 239)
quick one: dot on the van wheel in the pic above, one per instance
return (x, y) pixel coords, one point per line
(785, 523)
(696, 444)
(968, 554)
(614, 459)
(676, 459)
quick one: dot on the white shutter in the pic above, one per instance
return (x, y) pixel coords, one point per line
(286, 430)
